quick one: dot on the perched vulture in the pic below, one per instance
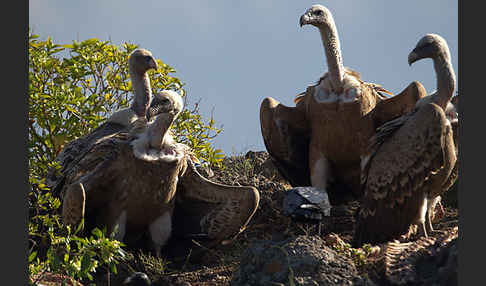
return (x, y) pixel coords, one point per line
(139, 62)
(413, 159)
(131, 179)
(321, 141)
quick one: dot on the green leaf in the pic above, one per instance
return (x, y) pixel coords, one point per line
(97, 233)
(86, 263)
(113, 268)
(32, 256)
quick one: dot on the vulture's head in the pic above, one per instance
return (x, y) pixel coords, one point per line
(166, 101)
(153, 140)
(318, 16)
(140, 61)
(430, 46)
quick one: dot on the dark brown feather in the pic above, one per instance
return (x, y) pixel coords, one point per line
(286, 137)
(404, 169)
(75, 150)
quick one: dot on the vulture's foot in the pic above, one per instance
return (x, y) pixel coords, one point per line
(422, 229)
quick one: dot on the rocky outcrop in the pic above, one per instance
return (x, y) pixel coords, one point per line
(301, 260)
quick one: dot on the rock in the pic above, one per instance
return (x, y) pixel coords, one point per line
(448, 271)
(301, 260)
(306, 203)
(424, 261)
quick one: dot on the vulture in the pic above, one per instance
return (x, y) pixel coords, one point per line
(320, 142)
(139, 62)
(413, 159)
(131, 181)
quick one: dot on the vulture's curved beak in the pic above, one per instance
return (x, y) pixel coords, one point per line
(304, 20)
(412, 57)
(153, 64)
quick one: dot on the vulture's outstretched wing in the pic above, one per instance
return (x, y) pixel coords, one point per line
(286, 136)
(398, 105)
(211, 211)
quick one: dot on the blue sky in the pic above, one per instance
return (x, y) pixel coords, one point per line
(232, 54)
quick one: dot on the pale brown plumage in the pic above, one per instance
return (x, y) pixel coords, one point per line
(139, 62)
(413, 159)
(109, 174)
(331, 121)
(132, 179)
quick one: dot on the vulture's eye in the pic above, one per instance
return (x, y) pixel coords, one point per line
(148, 58)
(318, 12)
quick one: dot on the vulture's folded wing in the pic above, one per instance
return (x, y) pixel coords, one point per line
(75, 150)
(398, 174)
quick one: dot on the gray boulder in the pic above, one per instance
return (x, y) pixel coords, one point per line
(301, 260)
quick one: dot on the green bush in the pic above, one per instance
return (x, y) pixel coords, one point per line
(54, 248)
(72, 89)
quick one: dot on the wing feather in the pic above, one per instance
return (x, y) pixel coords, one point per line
(398, 105)
(410, 155)
(75, 151)
(217, 210)
(399, 174)
(286, 137)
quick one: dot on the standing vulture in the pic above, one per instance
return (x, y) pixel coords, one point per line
(413, 159)
(139, 62)
(131, 180)
(321, 141)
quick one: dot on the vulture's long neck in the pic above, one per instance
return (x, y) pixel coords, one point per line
(158, 129)
(446, 78)
(143, 93)
(330, 41)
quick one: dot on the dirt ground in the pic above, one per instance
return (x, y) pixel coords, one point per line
(216, 266)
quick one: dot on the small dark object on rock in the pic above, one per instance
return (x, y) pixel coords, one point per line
(306, 203)
(138, 279)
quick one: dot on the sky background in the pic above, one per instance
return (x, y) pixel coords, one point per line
(232, 54)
